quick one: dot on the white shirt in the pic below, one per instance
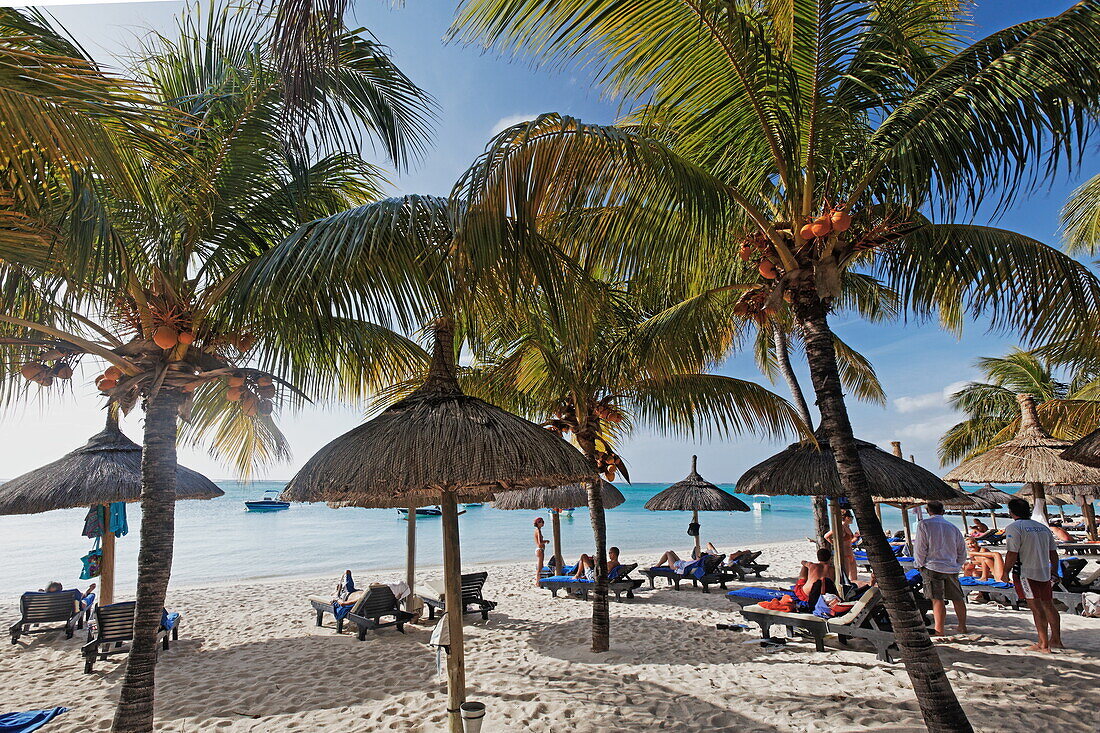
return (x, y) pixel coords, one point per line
(938, 545)
(1032, 542)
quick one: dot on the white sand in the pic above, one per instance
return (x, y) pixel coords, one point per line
(250, 659)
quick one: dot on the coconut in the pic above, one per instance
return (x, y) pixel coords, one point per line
(265, 381)
(767, 269)
(64, 372)
(266, 390)
(250, 404)
(265, 407)
(821, 227)
(31, 371)
(236, 381)
(112, 372)
(165, 337)
(186, 338)
(106, 384)
(840, 220)
(745, 253)
(807, 232)
(233, 394)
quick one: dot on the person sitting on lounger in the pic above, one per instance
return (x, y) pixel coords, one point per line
(733, 558)
(816, 578)
(672, 560)
(86, 598)
(983, 563)
(586, 566)
(1060, 535)
(978, 528)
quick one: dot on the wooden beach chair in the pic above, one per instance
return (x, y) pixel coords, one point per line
(703, 571)
(378, 602)
(49, 608)
(745, 565)
(863, 621)
(620, 583)
(324, 607)
(472, 600)
(113, 627)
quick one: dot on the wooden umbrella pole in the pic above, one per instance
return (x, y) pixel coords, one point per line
(410, 555)
(452, 579)
(908, 530)
(838, 551)
(1088, 513)
(559, 561)
(107, 564)
(993, 516)
(963, 512)
(695, 521)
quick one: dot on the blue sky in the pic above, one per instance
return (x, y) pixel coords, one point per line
(478, 95)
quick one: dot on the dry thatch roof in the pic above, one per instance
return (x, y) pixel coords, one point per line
(557, 497)
(437, 439)
(989, 493)
(804, 469)
(1033, 456)
(1058, 498)
(1085, 451)
(695, 493)
(1079, 492)
(969, 501)
(104, 470)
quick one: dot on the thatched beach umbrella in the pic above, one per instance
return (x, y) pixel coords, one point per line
(439, 445)
(966, 500)
(804, 469)
(1085, 451)
(995, 495)
(1032, 457)
(557, 498)
(1084, 496)
(695, 494)
(105, 470)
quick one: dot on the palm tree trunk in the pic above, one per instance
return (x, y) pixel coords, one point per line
(938, 704)
(601, 613)
(783, 360)
(158, 503)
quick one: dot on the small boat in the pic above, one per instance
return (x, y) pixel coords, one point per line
(562, 512)
(267, 504)
(424, 511)
(471, 506)
(761, 503)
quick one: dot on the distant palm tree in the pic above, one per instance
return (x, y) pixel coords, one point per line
(142, 277)
(1068, 410)
(828, 131)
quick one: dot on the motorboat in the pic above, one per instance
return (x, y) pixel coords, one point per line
(761, 503)
(474, 504)
(424, 511)
(269, 503)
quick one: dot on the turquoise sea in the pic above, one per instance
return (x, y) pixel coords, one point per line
(218, 541)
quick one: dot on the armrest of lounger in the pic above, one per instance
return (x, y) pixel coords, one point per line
(781, 615)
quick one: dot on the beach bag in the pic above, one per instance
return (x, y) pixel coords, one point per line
(693, 529)
(92, 562)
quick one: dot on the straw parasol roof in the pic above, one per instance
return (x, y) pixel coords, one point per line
(803, 469)
(1033, 456)
(970, 501)
(437, 439)
(696, 494)
(1085, 451)
(1058, 499)
(104, 470)
(989, 493)
(557, 497)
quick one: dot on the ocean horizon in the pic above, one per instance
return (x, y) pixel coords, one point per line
(217, 541)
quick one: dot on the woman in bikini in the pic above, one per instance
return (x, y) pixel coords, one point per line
(982, 563)
(540, 549)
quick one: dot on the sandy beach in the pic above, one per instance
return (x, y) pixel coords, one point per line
(249, 658)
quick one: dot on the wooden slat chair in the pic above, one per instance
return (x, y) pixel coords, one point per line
(48, 608)
(112, 629)
(323, 607)
(472, 600)
(622, 584)
(709, 576)
(377, 602)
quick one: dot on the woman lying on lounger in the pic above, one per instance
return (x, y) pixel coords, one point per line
(586, 566)
(982, 563)
(733, 558)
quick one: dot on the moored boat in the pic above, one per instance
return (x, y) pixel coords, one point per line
(269, 503)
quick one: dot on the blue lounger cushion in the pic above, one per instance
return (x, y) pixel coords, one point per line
(967, 580)
(611, 577)
(28, 721)
(759, 593)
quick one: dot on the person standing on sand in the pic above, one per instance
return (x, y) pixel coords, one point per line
(939, 553)
(1033, 557)
(540, 549)
(843, 548)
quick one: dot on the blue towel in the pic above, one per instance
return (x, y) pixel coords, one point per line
(967, 580)
(340, 611)
(28, 721)
(118, 525)
(760, 594)
(169, 620)
(566, 579)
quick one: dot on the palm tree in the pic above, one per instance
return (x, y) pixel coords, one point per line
(1071, 409)
(596, 372)
(158, 310)
(828, 129)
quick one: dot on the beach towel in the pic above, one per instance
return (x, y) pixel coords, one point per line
(28, 721)
(169, 620)
(118, 526)
(344, 587)
(94, 522)
(786, 604)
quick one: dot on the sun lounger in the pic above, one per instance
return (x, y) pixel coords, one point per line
(744, 565)
(1004, 594)
(49, 608)
(1080, 548)
(378, 602)
(907, 563)
(705, 571)
(328, 607)
(864, 621)
(751, 595)
(1072, 580)
(992, 537)
(113, 626)
(472, 600)
(618, 583)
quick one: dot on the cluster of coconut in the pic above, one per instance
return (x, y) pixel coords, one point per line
(608, 464)
(108, 380)
(253, 392)
(41, 373)
(607, 411)
(837, 220)
(167, 337)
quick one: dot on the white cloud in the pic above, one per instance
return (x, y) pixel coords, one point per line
(505, 122)
(927, 431)
(926, 401)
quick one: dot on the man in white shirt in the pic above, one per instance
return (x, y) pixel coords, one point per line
(1033, 557)
(939, 553)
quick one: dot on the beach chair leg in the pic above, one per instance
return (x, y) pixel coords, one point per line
(320, 618)
(164, 641)
(819, 642)
(339, 626)
(401, 627)
(176, 632)
(651, 582)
